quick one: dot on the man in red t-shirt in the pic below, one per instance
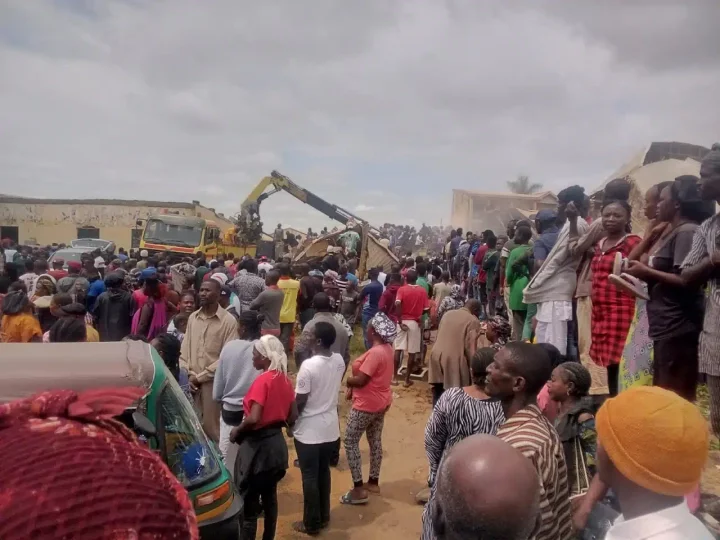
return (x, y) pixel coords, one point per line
(410, 303)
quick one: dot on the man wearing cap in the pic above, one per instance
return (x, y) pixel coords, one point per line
(142, 264)
(57, 269)
(552, 287)
(652, 447)
(264, 267)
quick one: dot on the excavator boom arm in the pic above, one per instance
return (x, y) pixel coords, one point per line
(281, 182)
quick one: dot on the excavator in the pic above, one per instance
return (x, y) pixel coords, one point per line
(280, 182)
(248, 225)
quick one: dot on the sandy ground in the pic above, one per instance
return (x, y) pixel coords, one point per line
(393, 513)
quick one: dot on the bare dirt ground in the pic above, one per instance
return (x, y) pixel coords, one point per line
(392, 514)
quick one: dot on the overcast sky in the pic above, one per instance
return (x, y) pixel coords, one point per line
(380, 106)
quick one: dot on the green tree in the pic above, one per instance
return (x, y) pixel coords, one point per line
(522, 185)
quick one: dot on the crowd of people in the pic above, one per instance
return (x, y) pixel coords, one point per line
(561, 352)
(598, 341)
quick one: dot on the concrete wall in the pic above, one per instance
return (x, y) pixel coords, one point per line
(47, 223)
(461, 215)
(470, 211)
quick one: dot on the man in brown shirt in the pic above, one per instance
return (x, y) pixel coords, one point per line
(515, 377)
(208, 330)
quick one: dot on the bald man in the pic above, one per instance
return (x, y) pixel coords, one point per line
(485, 489)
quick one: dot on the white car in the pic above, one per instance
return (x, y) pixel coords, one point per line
(94, 243)
(69, 254)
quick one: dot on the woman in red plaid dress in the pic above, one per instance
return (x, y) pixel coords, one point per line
(612, 308)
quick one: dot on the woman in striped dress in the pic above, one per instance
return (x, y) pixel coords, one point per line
(460, 413)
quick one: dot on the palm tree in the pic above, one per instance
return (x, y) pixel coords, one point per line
(522, 186)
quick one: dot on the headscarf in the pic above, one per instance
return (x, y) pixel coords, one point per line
(629, 427)
(182, 275)
(502, 329)
(332, 274)
(47, 435)
(315, 273)
(272, 349)
(384, 327)
(451, 302)
(45, 288)
(456, 293)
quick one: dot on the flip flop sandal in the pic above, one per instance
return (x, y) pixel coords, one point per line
(623, 282)
(638, 284)
(619, 264)
(347, 499)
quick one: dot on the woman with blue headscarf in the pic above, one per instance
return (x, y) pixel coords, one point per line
(369, 390)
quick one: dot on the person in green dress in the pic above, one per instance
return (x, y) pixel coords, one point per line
(517, 276)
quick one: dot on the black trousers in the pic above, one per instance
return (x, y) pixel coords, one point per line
(613, 373)
(286, 330)
(261, 496)
(315, 468)
(675, 364)
(437, 391)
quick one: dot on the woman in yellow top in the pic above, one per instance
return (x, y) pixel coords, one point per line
(288, 313)
(18, 324)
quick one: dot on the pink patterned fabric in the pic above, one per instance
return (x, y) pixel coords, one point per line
(70, 470)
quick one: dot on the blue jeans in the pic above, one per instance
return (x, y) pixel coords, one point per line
(366, 316)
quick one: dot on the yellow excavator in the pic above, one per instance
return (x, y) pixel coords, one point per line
(248, 230)
(280, 182)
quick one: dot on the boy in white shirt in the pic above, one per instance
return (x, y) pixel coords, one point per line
(317, 430)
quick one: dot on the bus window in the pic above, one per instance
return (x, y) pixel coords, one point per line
(211, 235)
(160, 232)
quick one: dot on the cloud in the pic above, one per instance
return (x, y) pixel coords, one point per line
(378, 106)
